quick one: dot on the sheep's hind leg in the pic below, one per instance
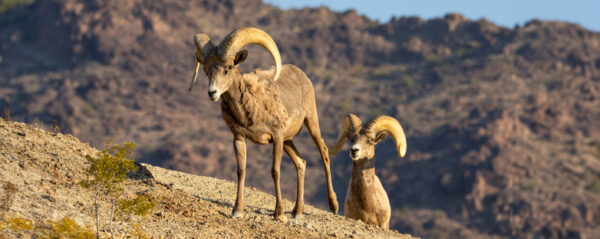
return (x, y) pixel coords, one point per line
(239, 145)
(312, 124)
(275, 172)
(290, 150)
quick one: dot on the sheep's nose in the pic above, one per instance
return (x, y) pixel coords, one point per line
(354, 149)
(211, 93)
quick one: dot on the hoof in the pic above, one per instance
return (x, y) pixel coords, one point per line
(237, 215)
(281, 218)
(297, 216)
(333, 206)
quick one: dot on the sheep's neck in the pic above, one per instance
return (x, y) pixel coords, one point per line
(231, 98)
(363, 173)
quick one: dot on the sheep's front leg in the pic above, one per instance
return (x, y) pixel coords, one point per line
(290, 149)
(239, 145)
(277, 151)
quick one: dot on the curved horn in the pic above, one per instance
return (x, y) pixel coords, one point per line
(202, 47)
(249, 35)
(350, 124)
(393, 127)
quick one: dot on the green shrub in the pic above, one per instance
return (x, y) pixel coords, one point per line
(596, 185)
(596, 146)
(139, 206)
(7, 5)
(110, 168)
(19, 224)
(65, 228)
(138, 232)
(107, 171)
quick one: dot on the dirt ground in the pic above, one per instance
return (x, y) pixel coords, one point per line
(45, 168)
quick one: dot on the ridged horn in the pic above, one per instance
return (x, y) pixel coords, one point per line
(393, 127)
(350, 124)
(249, 35)
(202, 47)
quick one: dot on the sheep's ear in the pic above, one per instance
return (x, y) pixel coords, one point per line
(380, 136)
(240, 57)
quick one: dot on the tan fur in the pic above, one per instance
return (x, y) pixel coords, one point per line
(260, 103)
(366, 199)
(256, 107)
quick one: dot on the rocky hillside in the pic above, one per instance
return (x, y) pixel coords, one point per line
(40, 173)
(502, 124)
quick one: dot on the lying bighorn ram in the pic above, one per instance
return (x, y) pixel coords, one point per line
(366, 199)
(259, 107)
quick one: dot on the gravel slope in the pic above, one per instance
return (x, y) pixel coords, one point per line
(45, 169)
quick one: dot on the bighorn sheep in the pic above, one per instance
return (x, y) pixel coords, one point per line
(366, 199)
(264, 106)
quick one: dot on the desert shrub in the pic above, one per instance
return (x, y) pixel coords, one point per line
(408, 81)
(138, 232)
(7, 5)
(138, 206)
(596, 146)
(19, 224)
(596, 185)
(6, 199)
(65, 228)
(107, 171)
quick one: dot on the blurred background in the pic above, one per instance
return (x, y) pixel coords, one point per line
(500, 101)
(504, 13)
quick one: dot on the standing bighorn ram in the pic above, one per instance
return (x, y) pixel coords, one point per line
(366, 200)
(259, 107)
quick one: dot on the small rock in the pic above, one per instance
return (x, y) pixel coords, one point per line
(49, 198)
(307, 226)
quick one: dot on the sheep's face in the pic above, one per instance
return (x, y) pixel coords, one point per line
(221, 74)
(362, 144)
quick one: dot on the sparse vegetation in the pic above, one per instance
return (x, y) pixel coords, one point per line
(107, 171)
(140, 206)
(6, 113)
(19, 224)
(531, 184)
(138, 232)
(110, 168)
(7, 5)
(596, 185)
(408, 81)
(596, 146)
(9, 190)
(63, 229)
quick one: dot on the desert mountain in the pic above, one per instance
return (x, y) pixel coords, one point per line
(502, 123)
